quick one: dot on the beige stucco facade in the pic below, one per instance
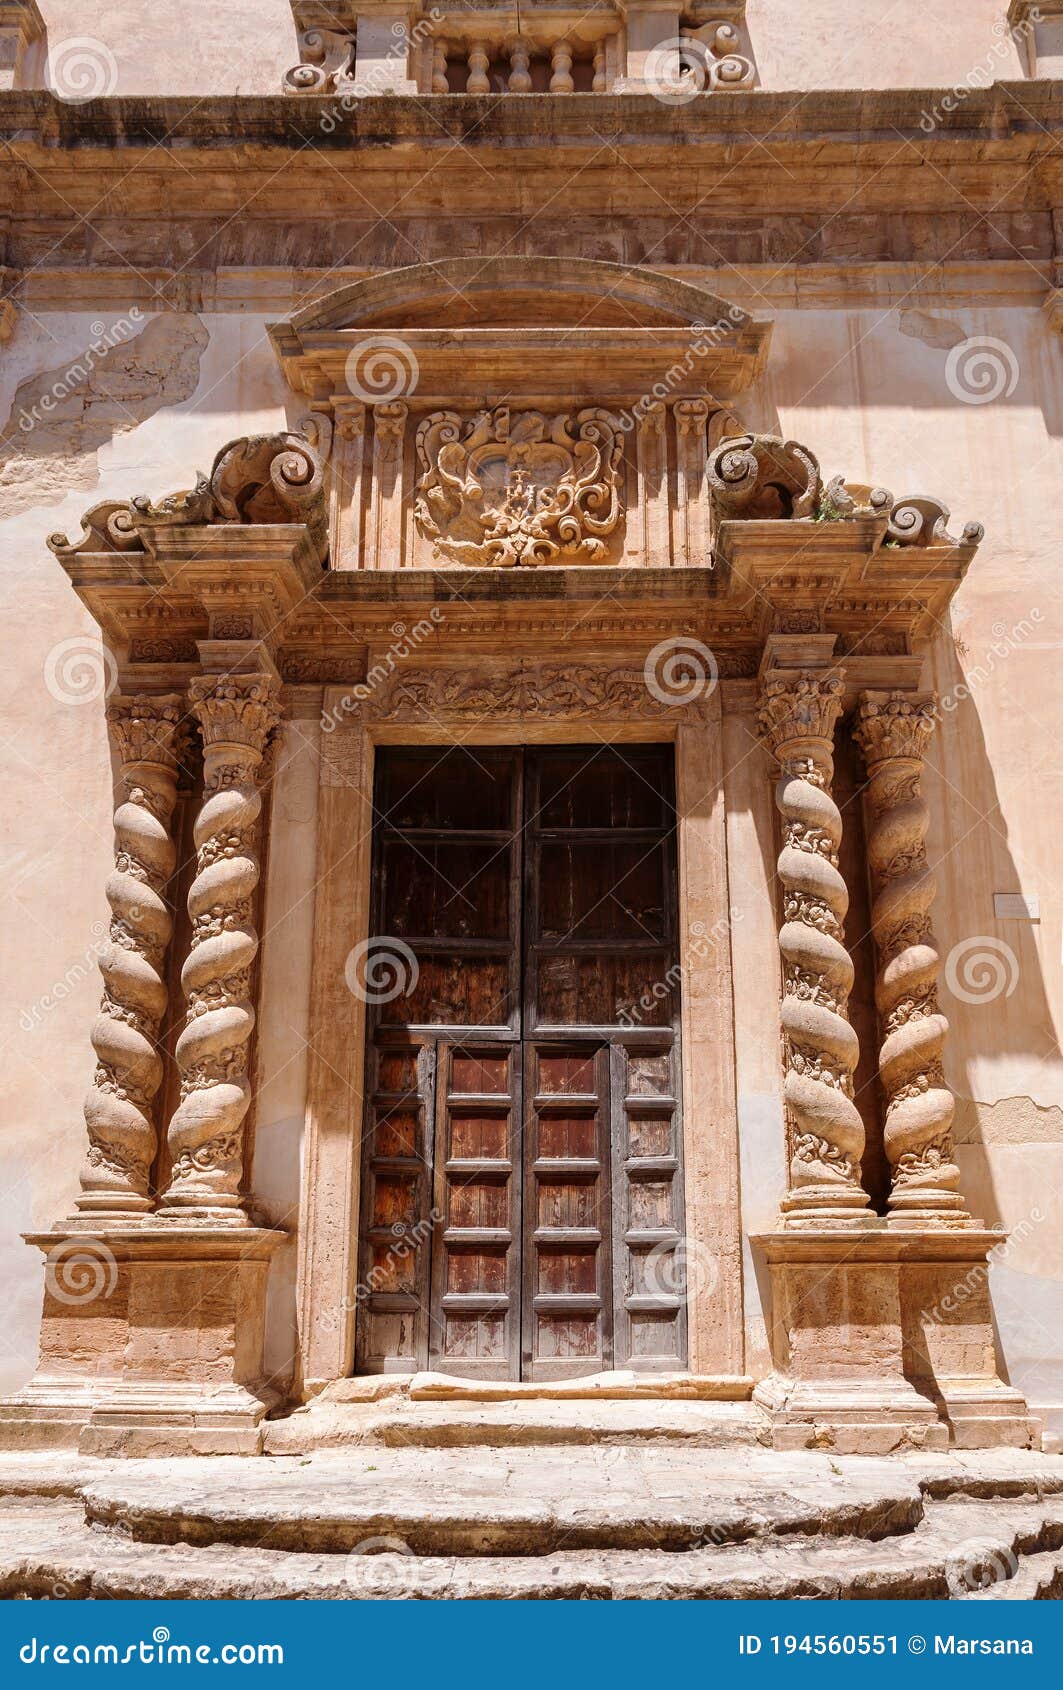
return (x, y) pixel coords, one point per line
(879, 259)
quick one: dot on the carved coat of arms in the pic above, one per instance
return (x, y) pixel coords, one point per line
(519, 487)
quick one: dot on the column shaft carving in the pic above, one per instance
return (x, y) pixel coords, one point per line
(116, 1178)
(237, 714)
(826, 1135)
(893, 731)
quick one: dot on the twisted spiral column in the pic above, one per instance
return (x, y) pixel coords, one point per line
(116, 1177)
(826, 1135)
(237, 714)
(893, 731)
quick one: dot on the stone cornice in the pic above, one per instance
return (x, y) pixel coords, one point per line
(852, 117)
(989, 135)
(861, 167)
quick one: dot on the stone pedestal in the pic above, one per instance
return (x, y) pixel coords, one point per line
(883, 1341)
(950, 1344)
(151, 1343)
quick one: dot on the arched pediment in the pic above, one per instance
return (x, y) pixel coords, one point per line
(548, 292)
(572, 327)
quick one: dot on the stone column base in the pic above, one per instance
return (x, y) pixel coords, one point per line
(949, 1341)
(151, 1343)
(870, 1354)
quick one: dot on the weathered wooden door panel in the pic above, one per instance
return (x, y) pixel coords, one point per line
(567, 1247)
(396, 1224)
(475, 1309)
(522, 1196)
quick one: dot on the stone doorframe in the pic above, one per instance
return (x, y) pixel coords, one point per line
(220, 602)
(539, 706)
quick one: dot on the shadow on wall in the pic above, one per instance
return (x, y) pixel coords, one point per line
(1003, 1039)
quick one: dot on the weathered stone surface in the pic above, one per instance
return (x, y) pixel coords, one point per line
(400, 1424)
(60, 419)
(457, 1502)
(769, 1527)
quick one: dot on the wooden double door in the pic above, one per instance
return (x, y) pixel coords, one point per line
(521, 1192)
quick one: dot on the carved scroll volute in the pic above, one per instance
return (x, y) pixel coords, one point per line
(237, 714)
(798, 715)
(116, 1179)
(893, 731)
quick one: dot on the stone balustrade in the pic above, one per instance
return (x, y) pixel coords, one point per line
(368, 47)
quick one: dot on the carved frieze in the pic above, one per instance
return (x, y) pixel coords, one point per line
(572, 690)
(509, 487)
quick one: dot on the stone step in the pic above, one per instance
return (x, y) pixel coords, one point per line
(956, 1549)
(404, 1423)
(512, 1502)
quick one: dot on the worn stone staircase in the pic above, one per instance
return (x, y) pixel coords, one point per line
(614, 1515)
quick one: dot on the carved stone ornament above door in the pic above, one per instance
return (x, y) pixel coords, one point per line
(520, 487)
(521, 411)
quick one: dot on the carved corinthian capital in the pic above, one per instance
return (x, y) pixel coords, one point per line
(237, 714)
(116, 1178)
(893, 730)
(826, 1136)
